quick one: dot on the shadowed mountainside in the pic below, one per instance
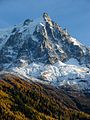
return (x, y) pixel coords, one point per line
(20, 100)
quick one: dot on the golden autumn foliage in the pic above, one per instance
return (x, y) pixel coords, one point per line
(20, 100)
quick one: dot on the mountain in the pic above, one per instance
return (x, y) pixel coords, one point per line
(41, 49)
(41, 40)
(44, 73)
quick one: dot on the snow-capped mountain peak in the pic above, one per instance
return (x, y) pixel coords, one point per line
(42, 49)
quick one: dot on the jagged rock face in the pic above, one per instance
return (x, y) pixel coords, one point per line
(41, 49)
(43, 41)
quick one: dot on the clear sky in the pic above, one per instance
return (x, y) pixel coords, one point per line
(72, 14)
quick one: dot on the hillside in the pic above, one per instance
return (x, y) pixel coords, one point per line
(21, 100)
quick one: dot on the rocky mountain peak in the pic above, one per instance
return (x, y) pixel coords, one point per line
(47, 18)
(36, 39)
(27, 22)
(42, 42)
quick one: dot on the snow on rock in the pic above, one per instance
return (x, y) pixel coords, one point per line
(59, 74)
(75, 42)
(53, 44)
(4, 35)
(72, 61)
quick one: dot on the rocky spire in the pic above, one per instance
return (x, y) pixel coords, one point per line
(47, 18)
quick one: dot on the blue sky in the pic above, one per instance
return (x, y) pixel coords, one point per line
(72, 14)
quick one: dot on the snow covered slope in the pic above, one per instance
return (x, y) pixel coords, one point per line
(58, 74)
(42, 49)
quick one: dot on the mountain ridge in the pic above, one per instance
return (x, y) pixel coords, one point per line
(41, 44)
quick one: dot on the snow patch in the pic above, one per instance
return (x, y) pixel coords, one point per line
(75, 42)
(58, 74)
(73, 61)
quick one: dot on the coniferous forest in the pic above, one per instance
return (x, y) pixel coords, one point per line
(21, 100)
